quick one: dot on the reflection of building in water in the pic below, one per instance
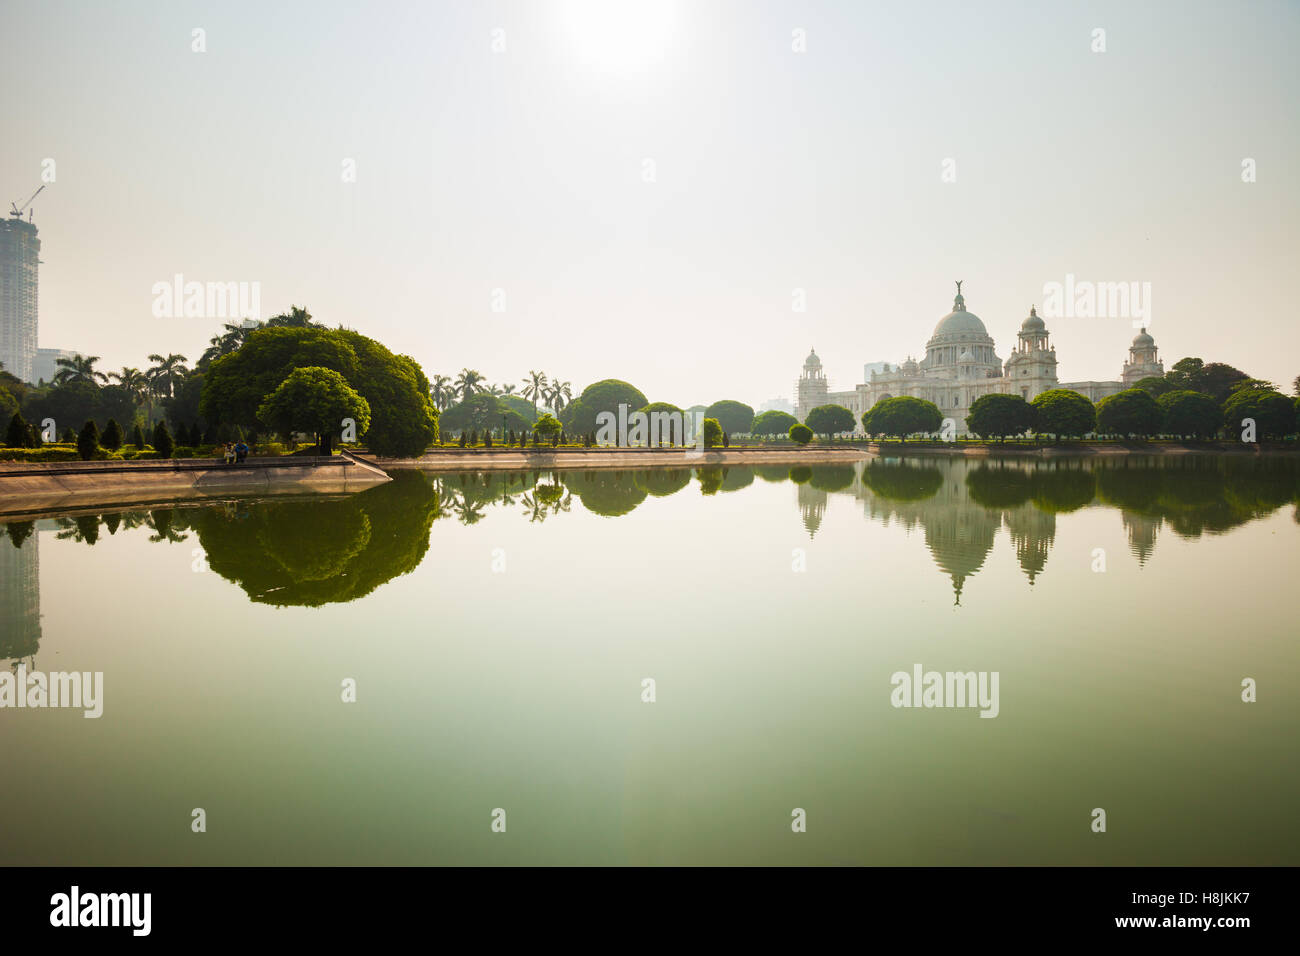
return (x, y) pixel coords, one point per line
(959, 531)
(1141, 531)
(20, 598)
(812, 507)
(1032, 532)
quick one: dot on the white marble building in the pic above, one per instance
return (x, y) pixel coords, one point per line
(961, 364)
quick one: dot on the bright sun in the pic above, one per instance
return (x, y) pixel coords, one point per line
(621, 35)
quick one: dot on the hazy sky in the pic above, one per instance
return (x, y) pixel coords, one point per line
(524, 170)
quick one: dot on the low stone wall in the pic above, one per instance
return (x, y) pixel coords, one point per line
(28, 487)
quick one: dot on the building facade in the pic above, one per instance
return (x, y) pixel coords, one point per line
(961, 364)
(20, 251)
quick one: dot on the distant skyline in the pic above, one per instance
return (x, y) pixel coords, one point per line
(507, 146)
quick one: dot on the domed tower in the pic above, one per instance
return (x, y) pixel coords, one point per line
(1143, 362)
(1031, 368)
(812, 388)
(959, 363)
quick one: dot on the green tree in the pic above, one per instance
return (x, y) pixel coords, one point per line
(604, 396)
(800, 434)
(998, 415)
(16, 434)
(1190, 414)
(8, 404)
(469, 382)
(535, 389)
(315, 400)
(548, 426)
(88, 440)
(830, 420)
(137, 436)
(733, 416)
(772, 422)
(1132, 413)
(712, 433)
(665, 422)
(79, 368)
(1064, 413)
(1156, 386)
(403, 421)
(112, 439)
(1273, 413)
(162, 440)
(482, 410)
(902, 416)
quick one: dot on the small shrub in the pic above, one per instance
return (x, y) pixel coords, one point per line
(800, 434)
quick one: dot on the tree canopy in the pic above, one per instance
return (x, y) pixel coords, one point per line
(1189, 414)
(830, 420)
(403, 420)
(482, 411)
(733, 416)
(579, 416)
(315, 400)
(772, 422)
(1133, 413)
(999, 415)
(1063, 412)
(902, 416)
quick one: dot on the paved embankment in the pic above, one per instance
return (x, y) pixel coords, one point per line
(30, 487)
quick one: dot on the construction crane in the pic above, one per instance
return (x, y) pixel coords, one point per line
(17, 211)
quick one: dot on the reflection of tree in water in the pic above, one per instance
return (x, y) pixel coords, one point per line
(323, 551)
(772, 472)
(831, 477)
(607, 493)
(900, 481)
(1194, 494)
(812, 506)
(1055, 486)
(800, 474)
(710, 478)
(666, 481)
(547, 498)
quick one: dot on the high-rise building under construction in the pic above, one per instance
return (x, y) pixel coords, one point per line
(19, 259)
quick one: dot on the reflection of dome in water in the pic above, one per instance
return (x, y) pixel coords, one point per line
(812, 507)
(1032, 532)
(959, 540)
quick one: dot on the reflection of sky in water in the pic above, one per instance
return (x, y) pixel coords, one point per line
(521, 688)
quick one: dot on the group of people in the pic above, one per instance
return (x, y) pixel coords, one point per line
(235, 452)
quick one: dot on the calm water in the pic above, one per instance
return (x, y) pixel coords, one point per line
(499, 629)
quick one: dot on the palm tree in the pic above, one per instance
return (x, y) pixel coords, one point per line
(495, 390)
(79, 368)
(441, 392)
(534, 388)
(169, 372)
(558, 396)
(134, 382)
(295, 318)
(509, 389)
(468, 382)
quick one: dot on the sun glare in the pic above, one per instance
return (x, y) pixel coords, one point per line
(619, 35)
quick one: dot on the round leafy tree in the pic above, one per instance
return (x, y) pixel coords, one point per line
(731, 415)
(603, 396)
(1190, 414)
(772, 423)
(1133, 413)
(403, 421)
(712, 433)
(1064, 413)
(830, 420)
(997, 416)
(315, 400)
(665, 424)
(902, 416)
(1273, 412)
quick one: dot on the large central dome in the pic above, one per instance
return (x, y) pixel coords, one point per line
(959, 322)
